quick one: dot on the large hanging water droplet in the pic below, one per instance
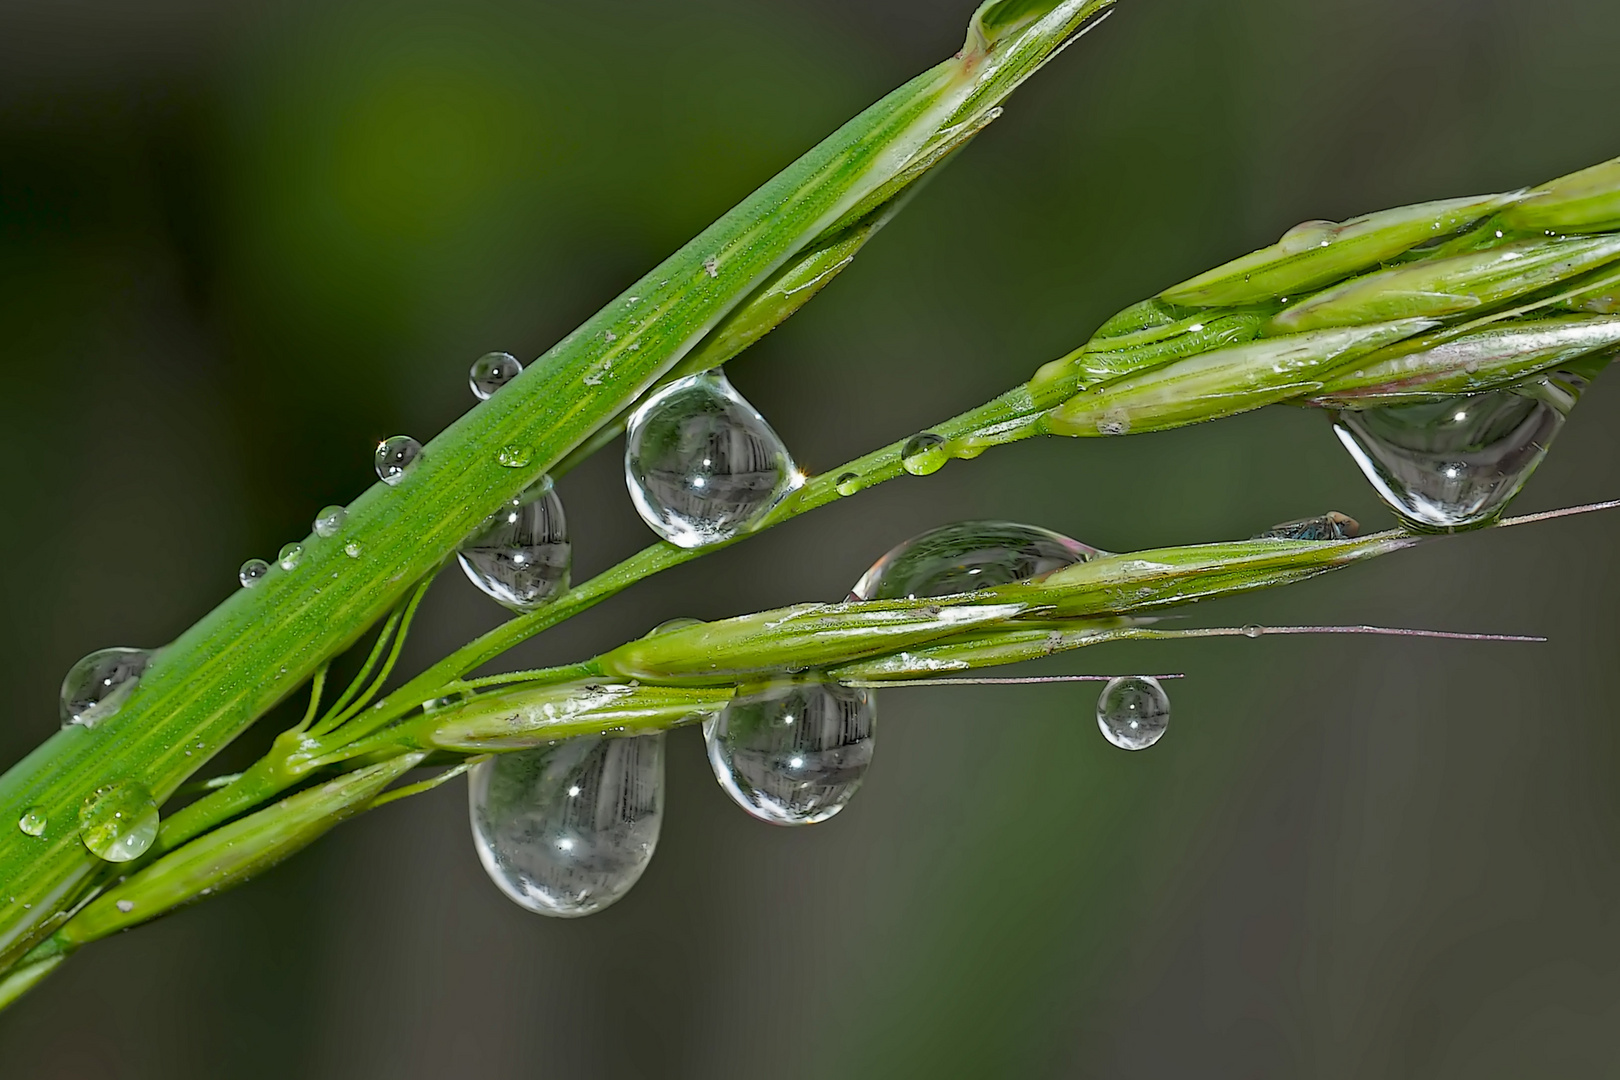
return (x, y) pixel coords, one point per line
(1457, 463)
(967, 556)
(567, 829)
(521, 555)
(702, 465)
(395, 456)
(97, 686)
(492, 371)
(252, 572)
(793, 753)
(1133, 712)
(118, 822)
(329, 521)
(33, 821)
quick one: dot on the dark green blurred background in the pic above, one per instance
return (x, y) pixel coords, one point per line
(240, 242)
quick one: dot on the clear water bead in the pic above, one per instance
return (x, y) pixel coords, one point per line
(923, 453)
(794, 753)
(1133, 712)
(521, 555)
(33, 821)
(97, 686)
(329, 521)
(1457, 463)
(567, 829)
(395, 456)
(118, 822)
(967, 556)
(252, 572)
(492, 371)
(290, 556)
(701, 464)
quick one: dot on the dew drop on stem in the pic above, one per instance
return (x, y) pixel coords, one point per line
(567, 829)
(290, 556)
(33, 821)
(492, 371)
(118, 822)
(253, 571)
(701, 464)
(521, 555)
(923, 453)
(968, 556)
(329, 521)
(395, 456)
(1133, 712)
(97, 686)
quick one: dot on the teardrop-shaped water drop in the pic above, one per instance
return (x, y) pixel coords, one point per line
(97, 686)
(1457, 463)
(118, 822)
(1133, 712)
(33, 821)
(793, 753)
(492, 371)
(252, 572)
(701, 464)
(395, 456)
(567, 829)
(967, 556)
(329, 521)
(521, 555)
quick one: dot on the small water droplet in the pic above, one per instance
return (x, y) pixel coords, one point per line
(1133, 712)
(329, 521)
(395, 456)
(290, 556)
(126, 906)
(923, 453)
(252, 572)
(966, 557)
(794, 753)
(1253, 631)
(352, 550)
(521, 556)
(671, 625)
(492, 371)
(97, 686)
(566, 830)
(514, 457)
(33, 821)
(847, 483)
(1457, 463)
(701, 464)
(118, 822)
(1330, 526)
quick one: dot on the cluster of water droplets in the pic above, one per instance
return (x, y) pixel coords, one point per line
(1457, 463)
(701, 463)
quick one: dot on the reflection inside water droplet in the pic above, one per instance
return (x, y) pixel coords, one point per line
(521, 555)
(701, 464)
(1133, 712)
(33, 821)
(291, 556)
(118, 822)
(568, 829)
(329, 521)
(395, 456)
(793, 753)
(492, 371)
(968, 556)
(97, 686)
(923, 454)
(252, 572)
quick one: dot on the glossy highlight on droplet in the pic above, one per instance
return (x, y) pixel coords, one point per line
(1133, 712)
(395, 456)
(968, 556)
(521, 556)
(33, 822)
(118, 822)
(252, 572)
(923, 453)
(96, 687)
(492, 371)
(567, 829)
(290, 556)
(329, 521)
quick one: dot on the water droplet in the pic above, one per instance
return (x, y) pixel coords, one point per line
(847, 483)
(290, 556)
(126, 906)
(1133, 712)
(395, 456)
(329, 521)
(521, 555)
(793, 753)
(1253, 631)
(701, 464)
(118, 822)
(1457, 463)
(1330, 526)
(670, 625)
(33, 821)
(97, 686)
(567, 829)
(966, 557)
(514, 457)
(923, 454)
(252, 572)
(492, 371)
(352, 550)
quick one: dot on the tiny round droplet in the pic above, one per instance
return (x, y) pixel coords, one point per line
(395, 456)
(252, 572)
(923, 454)
(118, 822)
(847, 483)
(329, 521)
(514, 457)
(33, 822)
(290, 556)
(97, 686)
(492, 371)
(1133, 712)
(1253, 631)
(352, 549)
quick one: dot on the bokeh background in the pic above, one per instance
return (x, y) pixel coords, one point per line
(240, 242)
